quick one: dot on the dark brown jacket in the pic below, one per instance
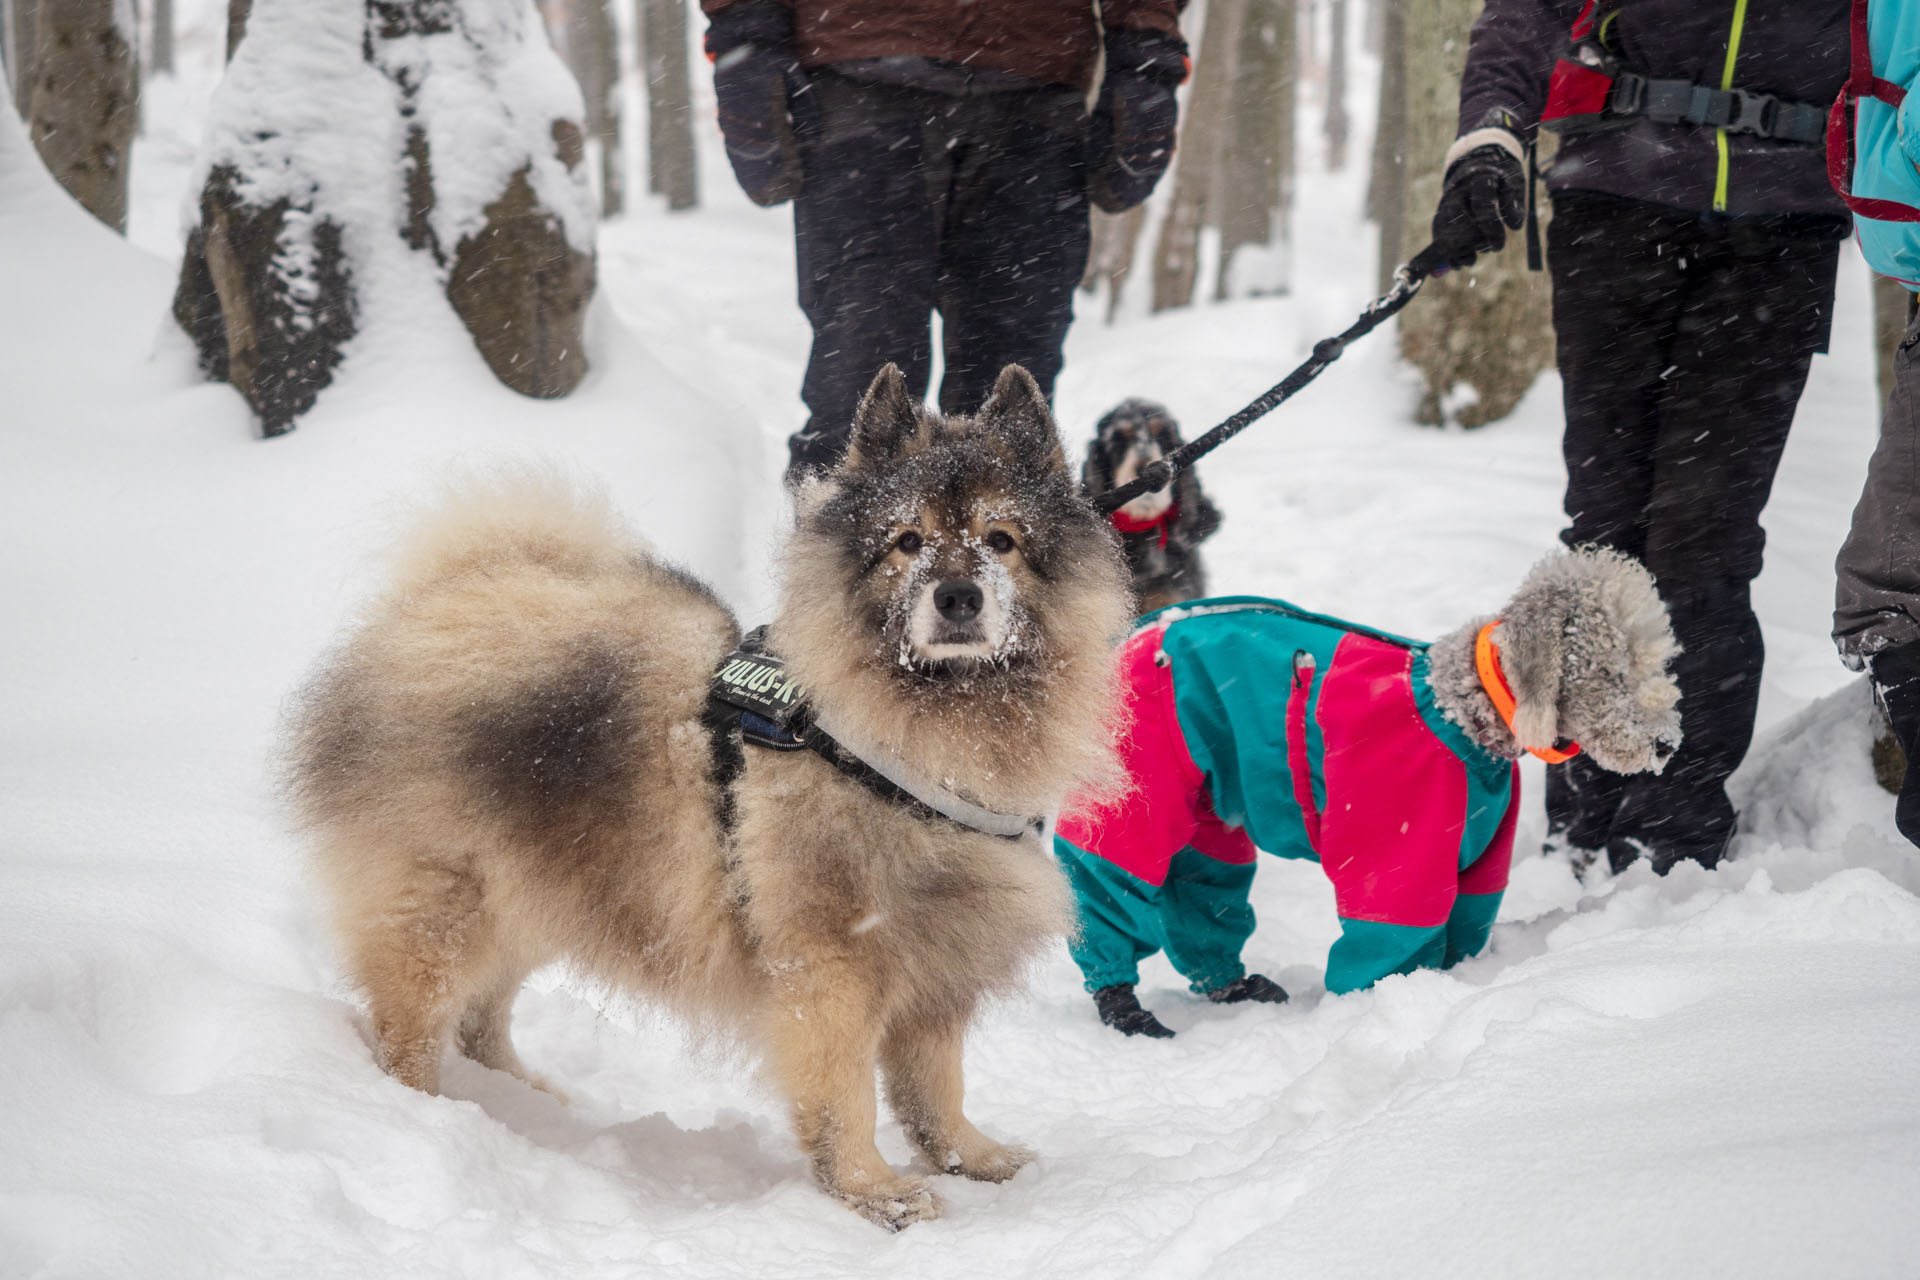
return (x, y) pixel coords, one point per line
(1050, 41)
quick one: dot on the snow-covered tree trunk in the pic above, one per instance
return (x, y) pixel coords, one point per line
(299, 233)
(671, 170)
(1479, 337)
(1255, 177)
(82, 108)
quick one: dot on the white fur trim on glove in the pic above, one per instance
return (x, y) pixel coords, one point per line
(1491, 136)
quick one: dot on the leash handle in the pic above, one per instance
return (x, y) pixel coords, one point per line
(1159, 474)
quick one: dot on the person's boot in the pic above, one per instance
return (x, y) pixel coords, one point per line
(1666, 849)
(1581, 801)
(1252, 987)
(1896, 680)
(1120, 1009)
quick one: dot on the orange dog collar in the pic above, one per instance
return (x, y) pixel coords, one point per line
(1486, 657)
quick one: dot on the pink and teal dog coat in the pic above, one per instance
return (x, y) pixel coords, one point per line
(1257, 725)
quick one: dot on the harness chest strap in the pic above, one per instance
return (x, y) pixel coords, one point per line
(752, 694)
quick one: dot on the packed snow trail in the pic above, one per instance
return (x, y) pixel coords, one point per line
(1710, 1074)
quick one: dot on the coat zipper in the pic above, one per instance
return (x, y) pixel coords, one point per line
(1726, 83)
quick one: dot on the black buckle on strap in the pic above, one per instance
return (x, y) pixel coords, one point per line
(1756, 115)
(1629, 96)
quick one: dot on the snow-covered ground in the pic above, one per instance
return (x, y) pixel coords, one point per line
(1710, 1074)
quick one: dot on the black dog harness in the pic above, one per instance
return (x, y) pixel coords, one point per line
(753, 700)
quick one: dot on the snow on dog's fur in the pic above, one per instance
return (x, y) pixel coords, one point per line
(505, 765)
(1585, 645)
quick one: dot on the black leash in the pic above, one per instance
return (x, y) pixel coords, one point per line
(1159, 474)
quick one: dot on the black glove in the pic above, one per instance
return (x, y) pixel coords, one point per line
(754, 76)
(1485, 195)
(1120, 1009)
(1137, 118)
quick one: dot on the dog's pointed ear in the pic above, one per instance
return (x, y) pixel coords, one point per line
(1018, 413)
(1531, 660)
(886, 420)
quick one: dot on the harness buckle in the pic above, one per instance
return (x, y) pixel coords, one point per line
(1756, 115)
(1629, 94)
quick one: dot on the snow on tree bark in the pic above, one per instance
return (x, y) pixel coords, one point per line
(1480, 336)
(305, 240)
(82, 105)
(523, 293)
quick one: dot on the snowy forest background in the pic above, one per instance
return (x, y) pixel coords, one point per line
(442, 233)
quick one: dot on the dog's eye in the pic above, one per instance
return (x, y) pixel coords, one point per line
(909, 542)
(1001, 541)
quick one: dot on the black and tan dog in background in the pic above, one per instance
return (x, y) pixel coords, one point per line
(1161, 532)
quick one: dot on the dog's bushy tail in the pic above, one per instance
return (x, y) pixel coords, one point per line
(512, 516)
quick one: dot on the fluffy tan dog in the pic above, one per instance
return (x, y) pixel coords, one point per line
(510, 762)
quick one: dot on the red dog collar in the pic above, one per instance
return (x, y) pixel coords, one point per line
(1163, 522)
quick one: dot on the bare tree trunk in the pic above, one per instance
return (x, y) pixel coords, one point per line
(1892, 304)
(21, 39)
(1337, 124)
(237, 12)
(1255, 178)
(1111, 256)
(593, 50)
(82, 110)
(1202, 136)
(1480, 336)
(1387, 185)
(160, 53)
(671, 170)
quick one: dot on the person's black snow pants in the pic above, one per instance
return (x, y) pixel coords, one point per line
(1683, 341)
(915, 200)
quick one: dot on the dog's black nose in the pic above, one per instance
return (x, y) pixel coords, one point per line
(958, 600)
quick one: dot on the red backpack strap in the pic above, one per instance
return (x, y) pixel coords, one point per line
(1861, 83)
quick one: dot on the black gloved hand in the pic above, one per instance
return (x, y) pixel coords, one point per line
(1120, 1009)
(1484, 196)
(1137, 118)
(1254, 986)
(754, 77)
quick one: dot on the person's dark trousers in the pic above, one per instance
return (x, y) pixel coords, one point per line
(914, 200)
(1684, 340)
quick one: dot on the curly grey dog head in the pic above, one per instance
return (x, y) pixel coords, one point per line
(1586, 644)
